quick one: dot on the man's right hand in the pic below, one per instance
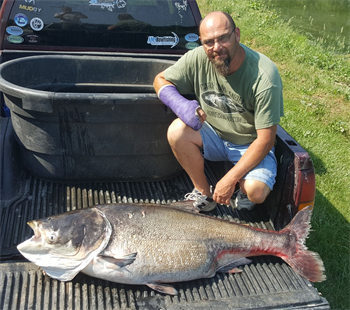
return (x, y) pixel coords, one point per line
(201, 114)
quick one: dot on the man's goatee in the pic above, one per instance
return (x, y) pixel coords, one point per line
(223, 66)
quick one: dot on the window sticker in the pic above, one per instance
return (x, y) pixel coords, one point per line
(36, 24)
(29, 8)
(14, 30)
(181, 7)
(32, 38)
(191, 45)
(191, 37)
(21, 20)
(162, 41)
(15, 39)
(109, 5)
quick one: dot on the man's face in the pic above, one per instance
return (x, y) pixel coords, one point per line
(220, 43)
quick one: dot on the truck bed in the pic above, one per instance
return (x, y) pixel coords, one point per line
(266, 283)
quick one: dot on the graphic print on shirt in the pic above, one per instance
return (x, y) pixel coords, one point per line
(223, 103)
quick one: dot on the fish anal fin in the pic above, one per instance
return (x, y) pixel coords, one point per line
(232, 267)
(163, 288)
(234, 270)
(119, 261)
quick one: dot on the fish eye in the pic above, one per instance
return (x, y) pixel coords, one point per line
(53, 237)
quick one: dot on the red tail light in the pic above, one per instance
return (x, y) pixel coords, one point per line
(305, 194)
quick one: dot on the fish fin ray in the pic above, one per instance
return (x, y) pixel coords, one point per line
(231, 268)
(307, 263)
(235, 270)
(60, 274)
(300, 225)
(121, 262)
(163, 288)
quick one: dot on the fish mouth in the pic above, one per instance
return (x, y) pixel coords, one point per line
(32, 245)
(34, 225)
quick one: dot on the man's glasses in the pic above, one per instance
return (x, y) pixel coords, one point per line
(221, 40)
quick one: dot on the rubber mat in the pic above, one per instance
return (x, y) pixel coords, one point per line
(266, 283)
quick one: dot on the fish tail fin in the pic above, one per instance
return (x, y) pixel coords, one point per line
(307, 263)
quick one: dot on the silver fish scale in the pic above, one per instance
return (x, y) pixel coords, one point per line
(266, 282)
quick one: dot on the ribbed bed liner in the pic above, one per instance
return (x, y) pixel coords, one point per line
(266, 283)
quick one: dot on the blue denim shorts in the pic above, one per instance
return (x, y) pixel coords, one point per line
(217, 149)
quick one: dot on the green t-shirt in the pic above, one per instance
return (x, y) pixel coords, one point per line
(237, 105)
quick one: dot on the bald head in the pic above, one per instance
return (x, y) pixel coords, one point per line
(220, 38)
(214, 18)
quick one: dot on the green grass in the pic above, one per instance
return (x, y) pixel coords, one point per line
(317, 114)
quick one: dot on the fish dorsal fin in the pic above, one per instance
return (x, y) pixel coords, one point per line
(66, 268)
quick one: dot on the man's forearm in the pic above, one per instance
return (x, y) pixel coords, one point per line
(255, 153)
(185, 109)
(250, 159)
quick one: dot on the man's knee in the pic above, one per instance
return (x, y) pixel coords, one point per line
(179, 133)
(176, 130)
(256, 191)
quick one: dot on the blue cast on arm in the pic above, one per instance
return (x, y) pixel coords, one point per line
(183, 108)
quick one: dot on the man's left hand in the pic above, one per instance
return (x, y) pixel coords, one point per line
(223, 191)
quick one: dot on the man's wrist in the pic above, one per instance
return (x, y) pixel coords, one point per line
(184, 109)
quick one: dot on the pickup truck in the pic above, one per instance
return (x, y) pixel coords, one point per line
(81, 125)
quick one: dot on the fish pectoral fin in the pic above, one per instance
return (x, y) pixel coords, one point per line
(122, 261)
(232, 267)
(163, 288)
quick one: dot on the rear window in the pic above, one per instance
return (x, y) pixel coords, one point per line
(107, 24)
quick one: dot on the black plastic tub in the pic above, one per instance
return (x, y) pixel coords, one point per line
(78, 117)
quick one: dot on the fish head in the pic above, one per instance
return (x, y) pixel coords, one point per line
(53, 235)
(64, 244)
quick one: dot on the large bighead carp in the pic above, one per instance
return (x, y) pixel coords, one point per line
(152, 244)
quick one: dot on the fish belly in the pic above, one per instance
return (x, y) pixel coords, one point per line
(160, 264)
(171, 245)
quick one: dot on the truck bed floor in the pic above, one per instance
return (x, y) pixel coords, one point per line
(266, 283)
